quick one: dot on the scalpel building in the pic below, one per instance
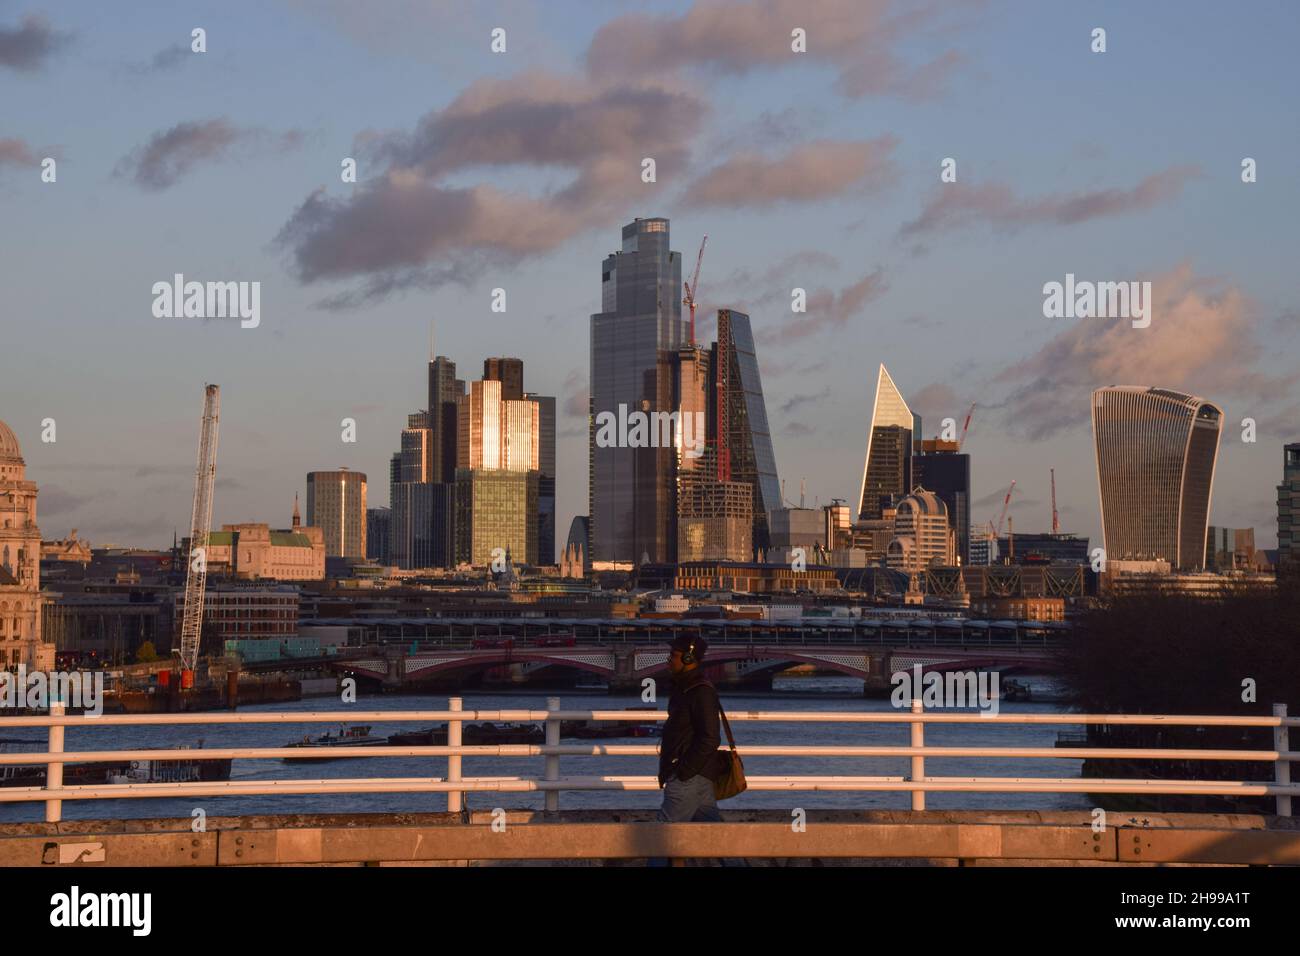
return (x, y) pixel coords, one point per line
(1156, 451)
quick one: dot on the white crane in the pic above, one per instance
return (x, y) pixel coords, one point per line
(196, 577)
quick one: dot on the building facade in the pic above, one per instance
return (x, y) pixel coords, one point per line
(378, 522)
(1156, 454)
(20, 564)
(633, 341)
(887, 469)
(942, 469)
(496, 509)
(922, 534)
(1288, 510)
(336, 503)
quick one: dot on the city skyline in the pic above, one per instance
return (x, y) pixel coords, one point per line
(905, 276)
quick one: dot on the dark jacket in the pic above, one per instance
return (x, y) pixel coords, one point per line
(689, 745)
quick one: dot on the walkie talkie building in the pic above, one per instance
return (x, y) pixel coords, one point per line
(1156, 451)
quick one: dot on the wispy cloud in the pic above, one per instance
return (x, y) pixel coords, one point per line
(995, 204)
(861, 39)
(172, 153)
(828, 309)
(815, 171)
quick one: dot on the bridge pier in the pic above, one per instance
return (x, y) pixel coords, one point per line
(623, 680)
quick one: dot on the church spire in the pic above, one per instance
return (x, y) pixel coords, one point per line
(297, 519)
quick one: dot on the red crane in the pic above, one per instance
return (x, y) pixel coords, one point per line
(693, 286)
(1006, 503)
(966, 426)
(1056, 521)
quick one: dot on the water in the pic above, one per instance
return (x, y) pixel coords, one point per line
(788, 694)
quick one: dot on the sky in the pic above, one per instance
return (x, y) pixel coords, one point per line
(479, 170)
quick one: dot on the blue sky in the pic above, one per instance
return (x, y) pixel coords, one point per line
(1113, 166)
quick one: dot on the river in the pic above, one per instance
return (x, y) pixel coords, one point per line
(788, 694)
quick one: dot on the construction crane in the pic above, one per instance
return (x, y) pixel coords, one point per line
(966, 426)
(196, 577)
(1056, 521)
(693, 286)
(1006, 503)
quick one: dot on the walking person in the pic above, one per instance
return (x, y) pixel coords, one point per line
(688, 752)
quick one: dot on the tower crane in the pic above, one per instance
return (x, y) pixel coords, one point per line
(966, 426)
(693, 286)
(196, 577)
(1056, 521)
(1006, 503)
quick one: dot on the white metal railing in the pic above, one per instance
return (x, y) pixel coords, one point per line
(551, 783)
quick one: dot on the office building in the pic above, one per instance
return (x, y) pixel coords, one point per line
(887, 468)
(922, 533)
(633, 341)
(510, 373)
(1288, 510)
(1230, 549)
(336, 503)
(940, 468)
(1156, 453)
(20, 564)
(740, 418)
(546, 477)
(496, 509)
(378, 523)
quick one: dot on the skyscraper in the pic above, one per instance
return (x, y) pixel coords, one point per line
(546, 477)
(336, 503)
(741, 419)
(1288, 510)
(509, 372)
(887, 470)
(940, 468)
(634, 339)
(1156, 452)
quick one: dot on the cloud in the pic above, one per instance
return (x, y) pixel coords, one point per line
(171, 154)
(577, 392)
(1202, 340)
(56, 500)
(828, 310)
(14, 152)
(735, 37)
(166, 59)
(817, 170)
(936, 401)
(408, 227)
(959, 204)
(799, 428)
(28, 47)
(794, 401)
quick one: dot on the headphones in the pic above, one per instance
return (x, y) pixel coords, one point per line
(688, 655)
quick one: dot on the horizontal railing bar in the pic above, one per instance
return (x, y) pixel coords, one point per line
(537, 716)
(628, 750)
(528, 784)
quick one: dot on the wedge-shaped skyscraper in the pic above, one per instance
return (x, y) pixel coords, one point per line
(887, 471)
(1156, 451)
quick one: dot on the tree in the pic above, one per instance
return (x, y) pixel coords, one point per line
(145, 653)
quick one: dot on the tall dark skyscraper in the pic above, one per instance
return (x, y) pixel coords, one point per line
(634, 340)
(887, 471)
(546, 479)
(444, 390)
(509, 372)
(1288, 510)
(741, 412)
(1156, 452)
(941, 469)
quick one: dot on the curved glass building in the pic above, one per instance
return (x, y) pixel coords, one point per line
(1156, 451)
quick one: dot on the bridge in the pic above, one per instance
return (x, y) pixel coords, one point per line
(552, 834)
(623, 652)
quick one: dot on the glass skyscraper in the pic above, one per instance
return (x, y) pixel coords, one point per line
(742, 412)
(634, 341)
(887, 470)
(1156, 452)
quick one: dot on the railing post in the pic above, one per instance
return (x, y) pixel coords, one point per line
(454, 797)
(918, 762)
(54, 770)
(1282, 773)
(552, 761)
